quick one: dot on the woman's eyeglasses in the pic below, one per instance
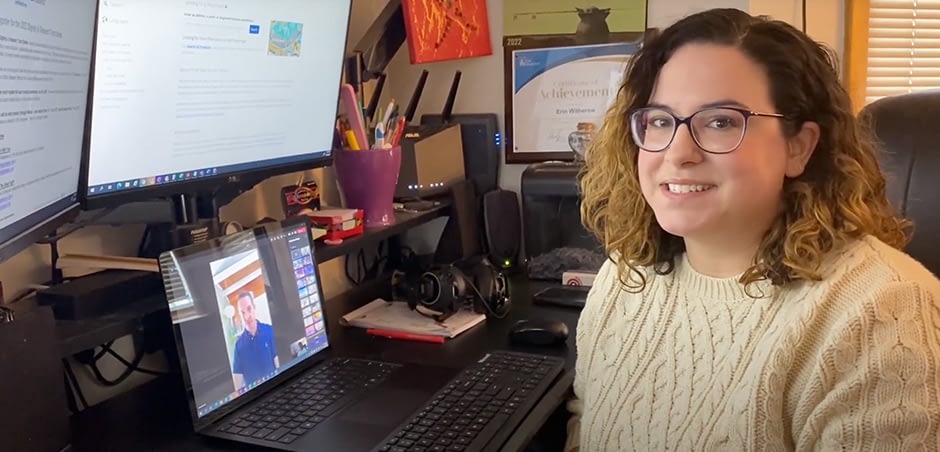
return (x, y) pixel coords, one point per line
(716, 130)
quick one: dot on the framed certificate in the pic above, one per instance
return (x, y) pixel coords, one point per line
(556, 97)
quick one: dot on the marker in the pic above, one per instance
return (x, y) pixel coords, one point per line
(405, 336)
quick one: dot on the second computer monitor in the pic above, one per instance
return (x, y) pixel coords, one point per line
(45, 63)
(191, 93)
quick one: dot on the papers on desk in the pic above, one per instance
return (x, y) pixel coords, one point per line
(87, 261)
(397, 316)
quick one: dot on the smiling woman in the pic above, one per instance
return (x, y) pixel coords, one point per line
(755, 296)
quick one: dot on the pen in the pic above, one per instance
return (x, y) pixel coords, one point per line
(388, 114)
(379, 137)
(399, 130)
(405, 336)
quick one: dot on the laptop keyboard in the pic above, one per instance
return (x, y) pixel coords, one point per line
(298, 407)
(468, 413)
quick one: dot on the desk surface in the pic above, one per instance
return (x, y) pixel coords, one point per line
(155, 416)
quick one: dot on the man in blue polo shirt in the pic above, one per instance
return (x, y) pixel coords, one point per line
(255, 354)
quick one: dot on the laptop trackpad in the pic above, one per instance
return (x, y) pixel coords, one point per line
(386, 407)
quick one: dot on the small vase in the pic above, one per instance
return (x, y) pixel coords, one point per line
(580, 139)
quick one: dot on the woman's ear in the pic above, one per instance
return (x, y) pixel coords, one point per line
(801, 147)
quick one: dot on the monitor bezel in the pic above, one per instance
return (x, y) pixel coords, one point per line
(245, 179)
(63, 210)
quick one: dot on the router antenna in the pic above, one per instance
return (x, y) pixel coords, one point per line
(376, 96)
(451, 96)
(415, 97)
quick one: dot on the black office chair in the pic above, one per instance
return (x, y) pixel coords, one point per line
(907, 131)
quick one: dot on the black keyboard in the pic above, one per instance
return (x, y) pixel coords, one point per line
(480, 407)
(298, 407)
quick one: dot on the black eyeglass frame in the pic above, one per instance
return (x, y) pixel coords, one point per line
(688, 123)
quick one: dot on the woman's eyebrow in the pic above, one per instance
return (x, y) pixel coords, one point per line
(717, 103)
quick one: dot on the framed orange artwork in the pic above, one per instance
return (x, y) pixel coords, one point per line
(441, 30)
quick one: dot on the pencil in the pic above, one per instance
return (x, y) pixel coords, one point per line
(351, 139)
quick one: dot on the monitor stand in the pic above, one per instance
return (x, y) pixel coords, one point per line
(196, 220)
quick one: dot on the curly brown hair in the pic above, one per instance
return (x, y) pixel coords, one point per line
(839, 197)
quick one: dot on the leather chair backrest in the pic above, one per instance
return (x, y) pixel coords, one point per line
(907, 133)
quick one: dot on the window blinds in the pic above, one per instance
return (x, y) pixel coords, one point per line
(903, 47)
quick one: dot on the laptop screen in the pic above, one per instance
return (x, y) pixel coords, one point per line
(245, 308)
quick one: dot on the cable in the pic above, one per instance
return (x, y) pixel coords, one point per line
(365, 271)
(104, 350)
(360, 267)
(485, 302)
(120, 379)
(381, 257)
(346, 270)
(73, 383)
(803, 21)
(128, 364)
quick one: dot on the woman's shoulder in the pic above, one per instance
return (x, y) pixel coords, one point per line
(868, 266)
(870, 256)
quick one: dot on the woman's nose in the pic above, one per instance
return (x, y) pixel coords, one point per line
(683, 150)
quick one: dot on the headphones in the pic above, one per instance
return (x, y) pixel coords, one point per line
(442, 290)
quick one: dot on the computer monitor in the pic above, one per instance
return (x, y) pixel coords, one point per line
(191, 95)
(44, 69)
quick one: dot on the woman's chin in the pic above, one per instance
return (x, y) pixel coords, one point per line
(682, 227)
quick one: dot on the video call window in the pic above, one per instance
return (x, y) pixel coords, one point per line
(246, 318)
(246, 307)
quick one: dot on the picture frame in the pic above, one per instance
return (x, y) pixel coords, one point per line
(553, 87)
(441, 31)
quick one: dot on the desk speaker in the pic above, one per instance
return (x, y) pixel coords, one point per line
(503, 226)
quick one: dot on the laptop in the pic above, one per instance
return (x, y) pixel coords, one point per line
(249, 323)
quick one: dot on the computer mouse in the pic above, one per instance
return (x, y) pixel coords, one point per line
(539, 332)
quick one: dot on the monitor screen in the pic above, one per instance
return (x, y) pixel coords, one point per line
(192, 92)
(245, 307)
(45, 62)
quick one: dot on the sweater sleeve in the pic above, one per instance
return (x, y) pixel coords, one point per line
(605, 284)
(876, 384)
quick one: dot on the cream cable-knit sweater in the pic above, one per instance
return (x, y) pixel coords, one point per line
(694, 364)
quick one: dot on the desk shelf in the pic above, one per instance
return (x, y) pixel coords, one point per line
(403, 222)
(77, 335)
